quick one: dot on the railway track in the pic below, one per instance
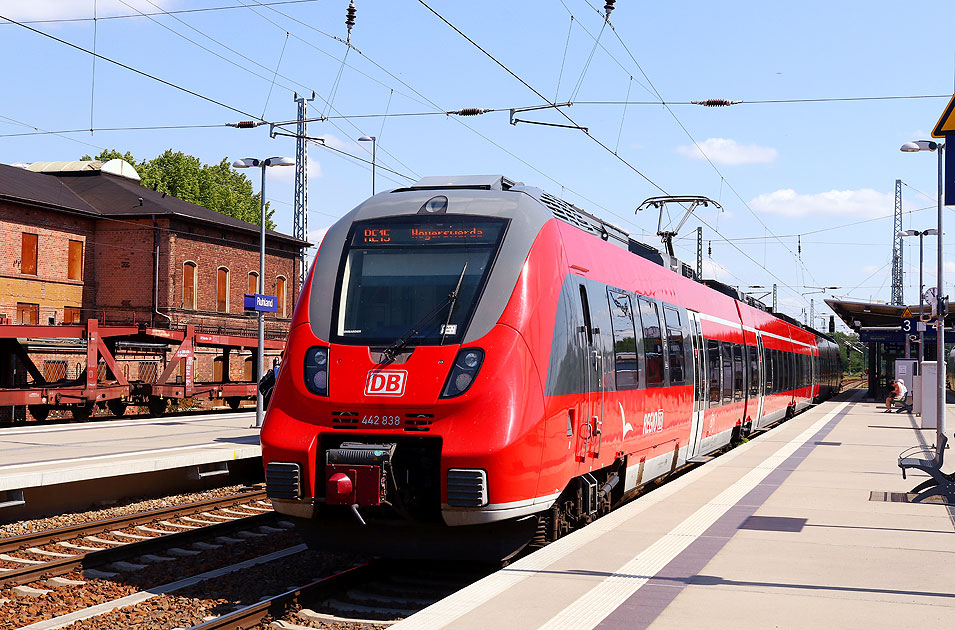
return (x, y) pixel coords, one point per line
(40, 555)
(374, 594)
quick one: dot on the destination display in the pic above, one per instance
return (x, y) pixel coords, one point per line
(482, 232)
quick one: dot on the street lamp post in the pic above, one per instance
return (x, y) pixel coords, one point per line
(921, 234)
(260, 362)
(374, 146)
(930, 145)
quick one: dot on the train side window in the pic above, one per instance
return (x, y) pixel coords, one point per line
(652, 342)
(777, 375)
(726, 354)
(753, 371)
(626, 367)
(675, 348)
(739, 380)
(713, 367)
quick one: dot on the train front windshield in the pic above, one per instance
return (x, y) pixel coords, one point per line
(414, 281)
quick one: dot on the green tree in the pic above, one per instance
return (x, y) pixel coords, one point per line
(855, 364)
(217, 187)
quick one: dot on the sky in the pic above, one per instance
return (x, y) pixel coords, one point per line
(804, 167)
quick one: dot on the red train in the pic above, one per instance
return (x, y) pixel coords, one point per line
(474, 364)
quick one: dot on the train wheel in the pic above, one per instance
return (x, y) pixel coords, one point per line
(82, 413)
(157, 406)
(233, 402)
(39, 412)
(116, 406)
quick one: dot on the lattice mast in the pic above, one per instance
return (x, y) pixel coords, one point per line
(300, 212)
(897, 297)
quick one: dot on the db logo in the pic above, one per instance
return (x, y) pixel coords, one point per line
(386, 383)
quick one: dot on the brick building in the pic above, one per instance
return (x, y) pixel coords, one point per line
(82, 240)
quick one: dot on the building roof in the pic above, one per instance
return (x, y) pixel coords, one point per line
(21, 186)
(96, 191)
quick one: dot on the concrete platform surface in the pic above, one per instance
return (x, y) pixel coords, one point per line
(56, 454)
(781, 532)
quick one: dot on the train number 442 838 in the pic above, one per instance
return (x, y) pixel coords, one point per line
(382, 421)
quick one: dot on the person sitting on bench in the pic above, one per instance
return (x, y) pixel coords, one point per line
(898, 395)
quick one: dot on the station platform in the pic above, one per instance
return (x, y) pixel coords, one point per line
(100, 458)
(805, 526)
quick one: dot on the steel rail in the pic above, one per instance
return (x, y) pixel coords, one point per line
(45, 537)
(278, 606)
(78, 561)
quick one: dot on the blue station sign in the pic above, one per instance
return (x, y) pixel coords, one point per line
(256, 302)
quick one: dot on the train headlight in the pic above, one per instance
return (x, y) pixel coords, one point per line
(463, 371)
(316, 370)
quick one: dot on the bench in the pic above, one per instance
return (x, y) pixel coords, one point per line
(904, 405)
(939, 483)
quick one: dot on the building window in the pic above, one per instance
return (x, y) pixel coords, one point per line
(28, 313)
(71, 315)
(189, 285)
(280, 296)
(28, 254)
(75, 265)
(222, 290)
(253, 282)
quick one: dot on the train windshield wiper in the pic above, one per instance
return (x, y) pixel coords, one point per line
(391, 352)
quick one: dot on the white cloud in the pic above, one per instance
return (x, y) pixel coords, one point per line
(71, 9)
(286, 174)
(835, 203)
(715, 270)
(729, 151)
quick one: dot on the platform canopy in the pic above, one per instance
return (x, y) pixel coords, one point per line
(861, 316)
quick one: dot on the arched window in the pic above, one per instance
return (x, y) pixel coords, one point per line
(280, 296)
(222, 290)
(253, 282)
(189, 285)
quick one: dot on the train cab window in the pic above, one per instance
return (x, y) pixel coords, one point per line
(652, 342)
(739, 380)
(423, 274)
(713, 366)
(726, 356)
(675, 345)
(626, 368)
(753, 352)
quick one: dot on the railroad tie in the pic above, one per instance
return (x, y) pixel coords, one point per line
(54, 554)
(177, 526)
(104, 541)
(9, 558)
(133, 536)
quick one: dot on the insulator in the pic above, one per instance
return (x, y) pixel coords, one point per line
(471, 111)
(709, 248)
(716, 102)
(608, 7)
(245, 124)
(799, 245)
(350, 15)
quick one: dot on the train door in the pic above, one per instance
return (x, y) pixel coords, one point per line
(590, 425)
(699, 384)
(761, 384)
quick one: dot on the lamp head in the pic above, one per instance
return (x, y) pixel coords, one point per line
(280, 161)
(919, 145)
(367, 139)
(245, 163)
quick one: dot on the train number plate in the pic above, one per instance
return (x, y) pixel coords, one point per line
(381, 421)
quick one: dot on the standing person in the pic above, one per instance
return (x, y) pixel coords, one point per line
(898, 395)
